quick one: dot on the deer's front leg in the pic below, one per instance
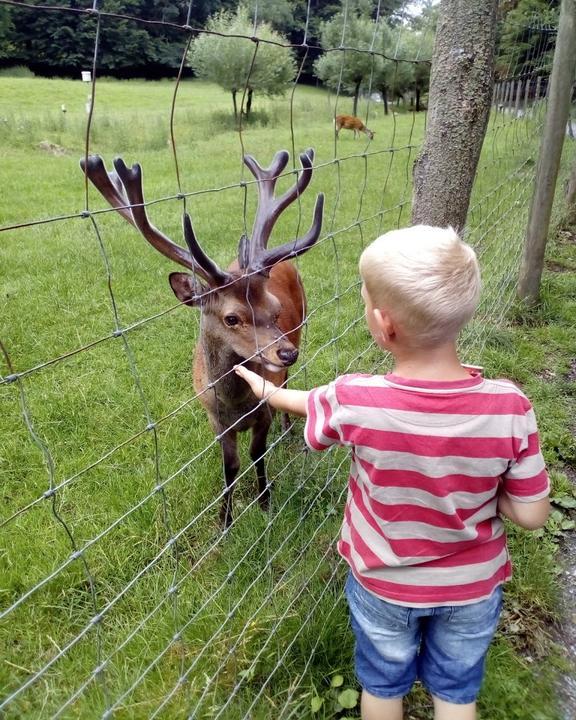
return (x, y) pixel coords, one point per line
(228, 443)
(257, 453)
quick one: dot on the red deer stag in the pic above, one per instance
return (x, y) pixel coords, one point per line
(252, 312)
(349, 122)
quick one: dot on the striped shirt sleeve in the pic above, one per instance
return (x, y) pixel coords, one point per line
(526, 479)
(322, 427)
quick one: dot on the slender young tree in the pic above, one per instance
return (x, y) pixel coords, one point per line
(230, 58)
(353, 67)
(459, 106)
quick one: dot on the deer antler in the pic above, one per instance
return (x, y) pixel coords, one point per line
(122, 188)
(254, 254)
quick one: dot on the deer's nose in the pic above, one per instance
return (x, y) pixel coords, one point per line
(288, 356)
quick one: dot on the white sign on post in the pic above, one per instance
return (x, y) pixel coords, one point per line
(86, 76)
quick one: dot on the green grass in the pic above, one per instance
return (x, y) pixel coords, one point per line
(258, 617)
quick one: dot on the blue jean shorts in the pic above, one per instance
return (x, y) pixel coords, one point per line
(444, 647)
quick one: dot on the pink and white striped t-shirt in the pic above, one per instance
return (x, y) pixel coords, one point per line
(428, 458)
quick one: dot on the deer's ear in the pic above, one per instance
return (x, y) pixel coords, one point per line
(188, 289)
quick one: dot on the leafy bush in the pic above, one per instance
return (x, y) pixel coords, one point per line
(17, 71)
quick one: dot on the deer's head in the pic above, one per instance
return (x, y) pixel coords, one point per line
(240, 313)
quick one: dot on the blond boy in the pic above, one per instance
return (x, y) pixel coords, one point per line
(438, 453)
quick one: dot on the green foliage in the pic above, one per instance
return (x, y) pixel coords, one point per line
(238, 64)
(401, 65)
(332, 701)
(347, 70)
(60, 41)
(6, 33)
(16, 71)
(525, 46)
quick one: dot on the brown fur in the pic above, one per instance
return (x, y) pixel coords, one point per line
(271, 310)
(350, 122)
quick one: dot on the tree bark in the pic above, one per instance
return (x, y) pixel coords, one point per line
(356, 94)
(559, 90)
(384, 92)
(461, 86)
(235, 104)
(571, 196)
(249, 102)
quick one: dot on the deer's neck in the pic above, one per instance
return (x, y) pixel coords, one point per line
(219, 361)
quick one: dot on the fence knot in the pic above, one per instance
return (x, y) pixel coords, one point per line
(100, 668)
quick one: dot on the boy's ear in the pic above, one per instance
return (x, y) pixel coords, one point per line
(187, 288)
(384, 323)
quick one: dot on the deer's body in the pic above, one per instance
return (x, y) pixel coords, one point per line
(350, 122)
(252, 313)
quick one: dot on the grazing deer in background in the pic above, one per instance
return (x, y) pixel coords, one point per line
(350, 122)
(252, 312)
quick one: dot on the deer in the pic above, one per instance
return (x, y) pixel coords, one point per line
(350, 122)
(251, 313)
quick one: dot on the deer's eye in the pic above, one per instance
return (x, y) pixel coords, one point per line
(231, 320)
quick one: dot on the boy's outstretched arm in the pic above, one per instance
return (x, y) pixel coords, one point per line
(292, 401)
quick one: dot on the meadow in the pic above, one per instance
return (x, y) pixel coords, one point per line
(119, 593)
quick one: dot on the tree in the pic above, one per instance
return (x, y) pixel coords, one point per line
(416, 47)
(238, 64)
(459, 106)
(348, 69)
(62, 42)
(525, 46)
(6, 32)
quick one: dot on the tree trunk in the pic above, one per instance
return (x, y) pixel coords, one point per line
(458, 110)
(249, 102)
(418, 95)
(356, 94)
(235, 105)
(571, 196)
(384, 92)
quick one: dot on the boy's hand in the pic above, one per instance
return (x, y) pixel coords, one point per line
(292, 401)
(260, 387)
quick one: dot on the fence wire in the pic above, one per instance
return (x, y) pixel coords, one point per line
(122, 596)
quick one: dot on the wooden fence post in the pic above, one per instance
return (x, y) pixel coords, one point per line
(559, 89)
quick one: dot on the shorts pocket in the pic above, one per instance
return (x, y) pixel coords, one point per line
(374, 609)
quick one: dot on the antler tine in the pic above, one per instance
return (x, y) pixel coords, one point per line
(108, 184)
(292, 249)
(267, 212)
(131, 179)
(201, 262)
(254, 254)
(306, 159)
(269, 207)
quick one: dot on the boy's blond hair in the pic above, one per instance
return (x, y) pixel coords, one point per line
(426, 278)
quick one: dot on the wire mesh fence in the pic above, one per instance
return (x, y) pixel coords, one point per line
(122, 595)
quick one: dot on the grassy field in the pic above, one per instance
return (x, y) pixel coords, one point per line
(119, 591)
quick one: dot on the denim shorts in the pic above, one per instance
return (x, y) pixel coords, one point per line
(444, 647)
